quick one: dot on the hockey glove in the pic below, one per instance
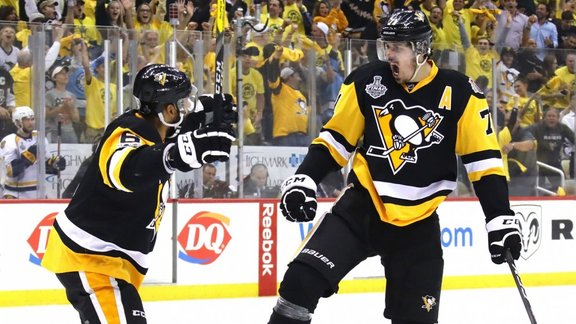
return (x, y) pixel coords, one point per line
(204, 145)
(229, 109)
(204, 113)
(55, 163)
(29, 156)
(504, 234)
(298, 202)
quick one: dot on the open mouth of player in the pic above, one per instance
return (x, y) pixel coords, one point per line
(395, 70)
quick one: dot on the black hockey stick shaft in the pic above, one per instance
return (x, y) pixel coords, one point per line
(219, 61)
(520, 286)
(59, 142)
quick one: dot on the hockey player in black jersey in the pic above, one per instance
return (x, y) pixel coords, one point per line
(403, 121)
(99, 246)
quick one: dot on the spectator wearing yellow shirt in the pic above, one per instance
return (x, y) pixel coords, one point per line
(151, 48)
(251, 95)
(555, 93)
(478, 58)
(483, 26)
(295, 13)
(331, 15)
(21, 72)
(439, 41)
(453, 14)
(275, 21)
(95, 97)
(289, 105)
(84, 24)
(529, 111)
(145, 20)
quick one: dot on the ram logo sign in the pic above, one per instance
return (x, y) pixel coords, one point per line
(204, 238)
(530, 227)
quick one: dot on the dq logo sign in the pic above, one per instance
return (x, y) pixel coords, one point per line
(204, 238)
(39, 238)
(530, 227)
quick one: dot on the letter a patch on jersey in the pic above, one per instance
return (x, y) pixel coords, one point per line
(403, 131)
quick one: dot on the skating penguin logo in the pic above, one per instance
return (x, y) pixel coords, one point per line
(429, 302)
(403, 131)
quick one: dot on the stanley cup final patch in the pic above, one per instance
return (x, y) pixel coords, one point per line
(376, 89)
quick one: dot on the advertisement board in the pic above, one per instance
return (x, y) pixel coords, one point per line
(217, 242)
(211, 243)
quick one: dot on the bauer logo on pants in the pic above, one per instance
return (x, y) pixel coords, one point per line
(39, 238)
(204, 238)
(530, 217)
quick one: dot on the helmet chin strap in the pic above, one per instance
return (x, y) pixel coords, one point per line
(419, 65)
(176, 124)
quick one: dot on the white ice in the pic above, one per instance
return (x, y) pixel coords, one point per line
(551, 305)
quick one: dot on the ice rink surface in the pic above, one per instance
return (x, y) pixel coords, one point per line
(551, 305)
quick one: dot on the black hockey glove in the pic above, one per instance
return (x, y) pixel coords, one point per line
(229, 109)
(204, 113)
(29, 156)
(55, 164)
(204, 145)
(504, 234)
(298, 202)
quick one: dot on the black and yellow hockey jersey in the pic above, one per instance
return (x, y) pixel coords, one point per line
(405, 140)
(111, 223)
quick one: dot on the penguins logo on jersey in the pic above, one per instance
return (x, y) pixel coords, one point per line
(429, 302)
(403, 131)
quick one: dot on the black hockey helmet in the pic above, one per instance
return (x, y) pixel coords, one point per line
(408, 26)
(158, 84)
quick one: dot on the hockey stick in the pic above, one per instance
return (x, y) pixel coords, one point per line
(520, 286)
(219, 61)
(59, 142)
(381, 151)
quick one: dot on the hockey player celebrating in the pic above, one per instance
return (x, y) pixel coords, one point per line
(99, 246)
(405, 106)
(19, 151)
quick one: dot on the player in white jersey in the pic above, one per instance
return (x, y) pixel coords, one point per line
(19, 150)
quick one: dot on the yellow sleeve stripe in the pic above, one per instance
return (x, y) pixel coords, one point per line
(347, 122)
(337, 150)
(111, 158)
(477, 175)
(115, 167)
(107, 148)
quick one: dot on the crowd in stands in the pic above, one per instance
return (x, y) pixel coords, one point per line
(522, 54)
